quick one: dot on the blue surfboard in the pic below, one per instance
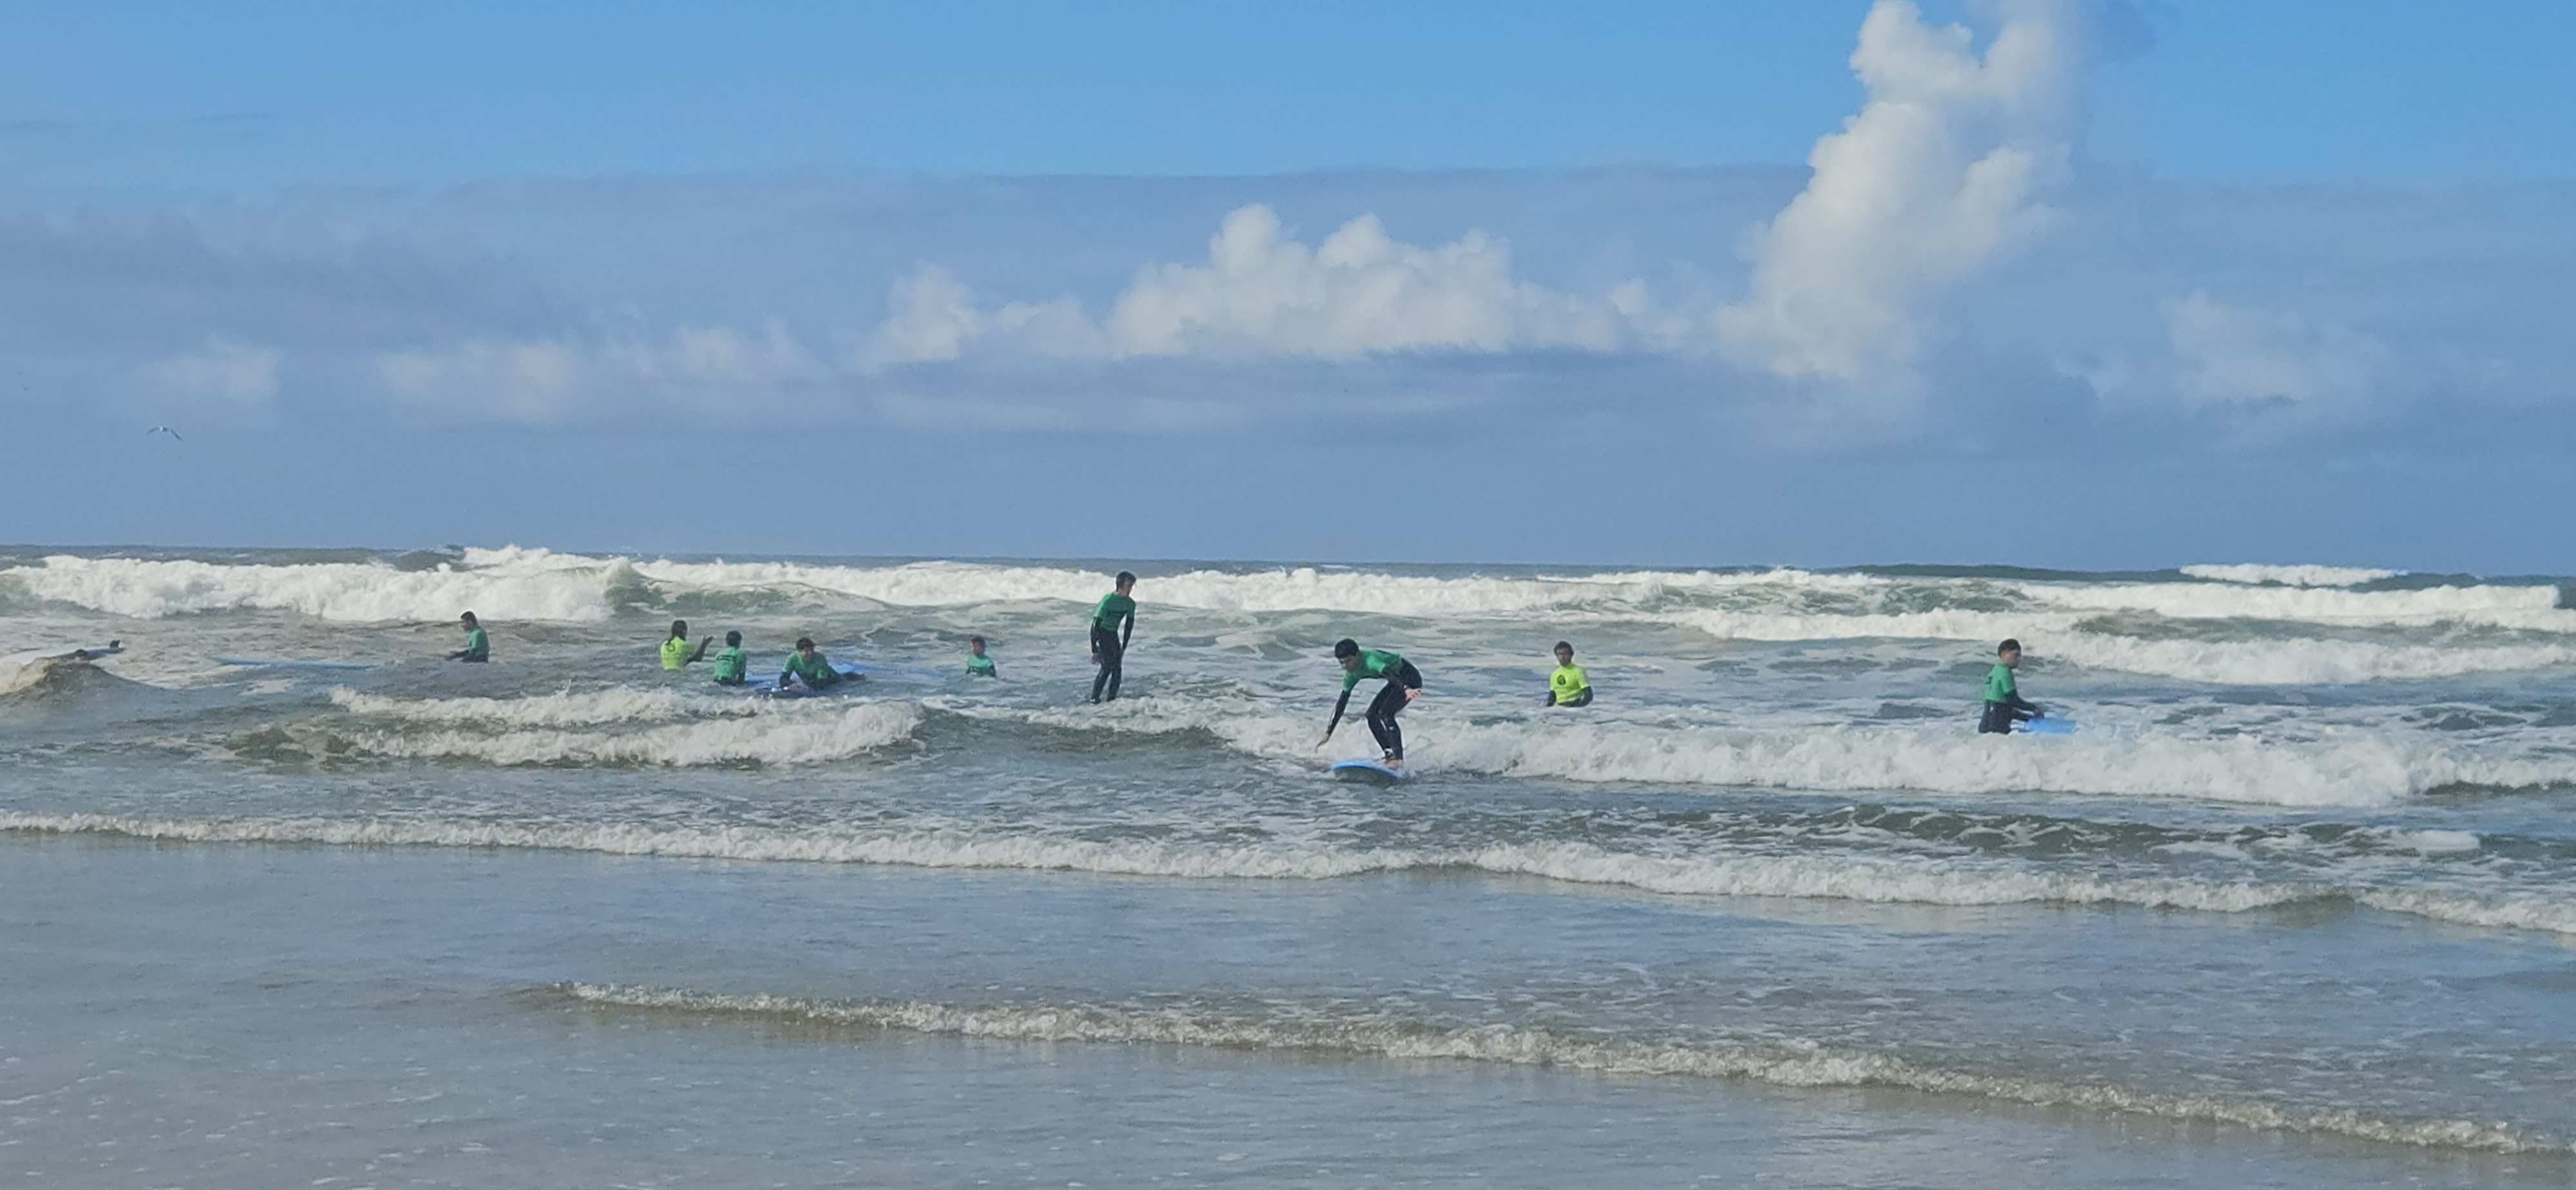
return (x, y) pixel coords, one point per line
(851, 675)
(1366, 770)
(2050, 725)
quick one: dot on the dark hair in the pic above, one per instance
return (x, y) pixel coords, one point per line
(1126, 577)
(467, 617)
(974, 640)
(1562, 647)
(679, 627)
(733, 640)
(804, 642)
(2010, 645)
(1346, 647)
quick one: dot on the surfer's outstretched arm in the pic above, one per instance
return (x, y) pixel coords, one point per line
(1339, 705)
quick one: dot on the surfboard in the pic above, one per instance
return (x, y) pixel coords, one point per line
(2051, 725)
(850, 672)
(76, 654)
(279, 663)
(1369, 771)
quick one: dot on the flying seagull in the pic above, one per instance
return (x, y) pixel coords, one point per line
(174, 434)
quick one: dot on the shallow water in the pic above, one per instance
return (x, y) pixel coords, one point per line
(2290, 908)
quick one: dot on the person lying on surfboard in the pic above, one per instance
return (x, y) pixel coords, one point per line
(808, 666)
(675, 647)
(1403, 685)
(2005, 706)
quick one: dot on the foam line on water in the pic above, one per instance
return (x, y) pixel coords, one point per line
(2291, 576)
(586, 730)
(535, 584)
(1919, 880)
(2343, 768)
(1378, 1035)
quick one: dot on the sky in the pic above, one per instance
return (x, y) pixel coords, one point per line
(2102, 283)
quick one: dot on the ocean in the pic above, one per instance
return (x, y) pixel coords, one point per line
(2295, 905)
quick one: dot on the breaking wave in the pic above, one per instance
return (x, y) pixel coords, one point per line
(1379, 1035)
(1888, 879)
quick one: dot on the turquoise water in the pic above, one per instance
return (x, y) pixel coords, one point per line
(2290, 908)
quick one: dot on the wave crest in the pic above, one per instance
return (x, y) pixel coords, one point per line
(1378, 1035)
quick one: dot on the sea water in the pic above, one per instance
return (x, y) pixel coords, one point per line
(2292, 907)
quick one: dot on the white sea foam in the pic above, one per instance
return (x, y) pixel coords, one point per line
(2291, 576)
(1879, 879)
(544, 730)
(2058, 636)
(1378, 1035)
(2533, 608)
(536, 584)
(497, 584)
(593, 708)
(2343, 768)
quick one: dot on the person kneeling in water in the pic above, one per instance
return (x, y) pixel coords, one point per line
(1403, 685)
(809, 667)
(732, 666)
(1568, 687)
(675, 648)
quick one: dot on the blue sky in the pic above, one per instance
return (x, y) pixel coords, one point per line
(2092, 283)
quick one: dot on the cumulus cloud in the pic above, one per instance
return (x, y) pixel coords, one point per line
(543, 379)
(1942, 173)
(2237, 356)
(221, 372)
(1263, 293)
(2248, 360)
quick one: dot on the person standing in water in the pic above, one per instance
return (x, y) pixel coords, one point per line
(1403, 685)
(675, 649)
(1108, 642)
(478, 645)
(1568, 686)
(977, 663)
(733, 666)
(2004, 704)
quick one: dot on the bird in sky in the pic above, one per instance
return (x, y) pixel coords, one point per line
(174, 434)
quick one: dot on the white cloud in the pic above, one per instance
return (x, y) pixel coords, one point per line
(1939, 175)
(1263, 293)
(546, 379)
(2236, 356)
(221, 372)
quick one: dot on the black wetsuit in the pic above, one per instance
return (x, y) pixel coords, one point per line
(1400, 676)
(1113, 657)
(2004, 704)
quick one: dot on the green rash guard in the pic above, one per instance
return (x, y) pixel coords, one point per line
(1999, 684)
(815, 671)
(1112, 608)
(478, 647)
(1373, 664)
(981, 667)
(731, 665)
(1568, 683)
(675, 652)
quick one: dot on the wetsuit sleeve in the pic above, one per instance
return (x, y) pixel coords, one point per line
(1130, 633)
(1339, 705)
